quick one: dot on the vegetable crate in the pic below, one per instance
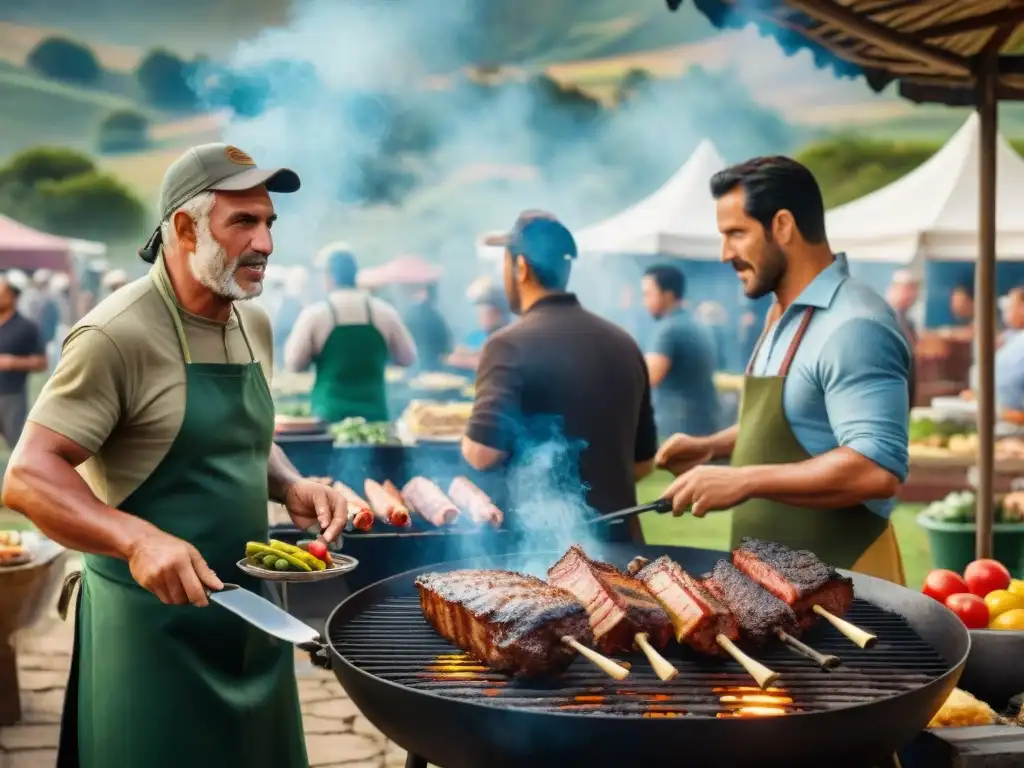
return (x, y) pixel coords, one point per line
(952, 544)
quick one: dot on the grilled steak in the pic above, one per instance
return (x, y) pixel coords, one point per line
(697, 616)
(512, 622)
(758, 611)
(619, 606)
(795, 576)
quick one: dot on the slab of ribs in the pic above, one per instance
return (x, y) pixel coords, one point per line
(619, 606)
(512, 622)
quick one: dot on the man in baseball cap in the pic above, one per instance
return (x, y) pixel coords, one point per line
(161, 398)
(212, 168)
(560, 380)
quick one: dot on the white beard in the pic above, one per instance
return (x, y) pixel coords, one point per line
(209, 265)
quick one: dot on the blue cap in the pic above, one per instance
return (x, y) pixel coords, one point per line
(540, 238)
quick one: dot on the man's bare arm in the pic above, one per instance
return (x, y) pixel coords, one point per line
(281, 474)
(27, 363)
(42, 484)
(833, 480)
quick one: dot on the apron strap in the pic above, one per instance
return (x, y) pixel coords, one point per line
(333, 311)
(795, 344)
(164, 292)
(369, 310)
(67, 592)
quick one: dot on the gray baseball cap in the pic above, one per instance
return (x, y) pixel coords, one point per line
(212, 167)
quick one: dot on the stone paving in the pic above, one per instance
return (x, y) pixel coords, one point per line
(336, 733)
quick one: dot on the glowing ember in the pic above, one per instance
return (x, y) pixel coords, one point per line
(756, 699)
(753, 712)
(748, 701)
(589, 699)
(664, 714)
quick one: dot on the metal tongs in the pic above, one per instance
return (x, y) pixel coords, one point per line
(661, 506)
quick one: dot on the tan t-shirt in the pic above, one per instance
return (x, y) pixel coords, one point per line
(119, 387)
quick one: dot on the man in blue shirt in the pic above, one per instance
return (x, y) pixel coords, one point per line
(821, 444)
(1009, 363)
(680, 358)
(492, 316)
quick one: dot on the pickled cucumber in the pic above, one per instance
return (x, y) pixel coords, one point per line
(270, 560)
(314, 562)
(254, 547)
(282, 565)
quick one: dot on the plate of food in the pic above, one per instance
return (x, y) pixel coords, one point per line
(278, 561)
(15, 548)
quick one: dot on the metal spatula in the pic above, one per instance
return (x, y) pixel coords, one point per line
(264, 615)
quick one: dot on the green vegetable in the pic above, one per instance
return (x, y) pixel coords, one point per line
(313, 562)
(282, 565)
(254, 546)
(358, 431)
(270, 560)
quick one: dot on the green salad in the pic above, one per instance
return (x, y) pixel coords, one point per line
(358, 431)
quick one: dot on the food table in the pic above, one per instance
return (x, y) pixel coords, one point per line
(24, 592)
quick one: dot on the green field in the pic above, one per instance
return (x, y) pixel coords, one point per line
(712, 531)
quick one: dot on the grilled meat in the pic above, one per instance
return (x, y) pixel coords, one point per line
(697, 616)
(425, 498)
(795, 576)
(385, 506)
(619, 606)
(512, 622)
(359, 513)
(474, 502)
(760, 613)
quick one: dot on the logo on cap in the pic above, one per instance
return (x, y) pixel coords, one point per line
(235, 155)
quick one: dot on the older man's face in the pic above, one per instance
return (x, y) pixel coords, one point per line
(233, 247)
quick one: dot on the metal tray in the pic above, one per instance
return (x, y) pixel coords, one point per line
(342, 564)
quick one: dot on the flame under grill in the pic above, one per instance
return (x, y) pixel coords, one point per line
(393, 641)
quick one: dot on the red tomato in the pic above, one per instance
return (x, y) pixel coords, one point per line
(970, 608)
(984, 576)
(318, 550)
(941, 583)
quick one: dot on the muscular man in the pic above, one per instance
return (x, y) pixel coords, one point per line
(161, 400)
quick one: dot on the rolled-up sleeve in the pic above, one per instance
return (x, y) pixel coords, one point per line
(865, 369)
(496, 409)
(301, 346)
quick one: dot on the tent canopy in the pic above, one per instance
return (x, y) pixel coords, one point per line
(22, 247)
(933, 210)
(405, 270)
(678, 219)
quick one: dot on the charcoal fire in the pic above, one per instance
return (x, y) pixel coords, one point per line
(622, 612)
(514, 623)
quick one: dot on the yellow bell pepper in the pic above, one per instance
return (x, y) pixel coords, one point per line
(1000, 601)
(1016, 587)
(1011, 620)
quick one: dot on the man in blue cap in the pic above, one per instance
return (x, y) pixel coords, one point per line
(560, 376)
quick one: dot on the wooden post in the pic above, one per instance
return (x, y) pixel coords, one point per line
(984, 300)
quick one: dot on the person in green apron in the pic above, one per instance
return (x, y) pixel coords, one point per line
(349, 339)
(820, 448)
(161, 401)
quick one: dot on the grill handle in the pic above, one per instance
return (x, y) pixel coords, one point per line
(661, 506)
(319, 656)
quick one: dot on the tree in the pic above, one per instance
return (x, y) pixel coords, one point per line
(92, 206)
(166, 80)
(61, 191)
(67, 60)
(124, 130)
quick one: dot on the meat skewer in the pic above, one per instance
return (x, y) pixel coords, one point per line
(699, 619)
(429, 501)
(474, 502)
(622, 612)
(760, 614)
(393, 490)
(359, 512)
(384, 505)
(802, 581)
(514, 623)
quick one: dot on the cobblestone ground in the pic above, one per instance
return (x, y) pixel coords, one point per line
(336, 733)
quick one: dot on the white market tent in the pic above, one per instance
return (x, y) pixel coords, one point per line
(678, 219)
(932, 212)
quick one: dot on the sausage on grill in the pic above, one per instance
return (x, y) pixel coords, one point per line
(512, 622)
(429, 501)
(474, 502)
(385, 506)
(359, 512)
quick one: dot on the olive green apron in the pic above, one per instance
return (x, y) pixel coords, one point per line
(855, 538)
(159, 686)
(350, 372)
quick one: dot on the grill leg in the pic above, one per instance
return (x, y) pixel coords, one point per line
(414, 761)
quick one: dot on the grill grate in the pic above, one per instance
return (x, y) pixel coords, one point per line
(393, 641)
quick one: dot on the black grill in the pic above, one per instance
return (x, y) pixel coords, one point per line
(393, 641)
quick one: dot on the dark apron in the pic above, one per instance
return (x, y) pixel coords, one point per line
(159, 686)
(855, 538)
(350, 372)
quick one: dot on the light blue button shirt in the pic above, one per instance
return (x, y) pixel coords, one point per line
(1009, 367)
(847, 386)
